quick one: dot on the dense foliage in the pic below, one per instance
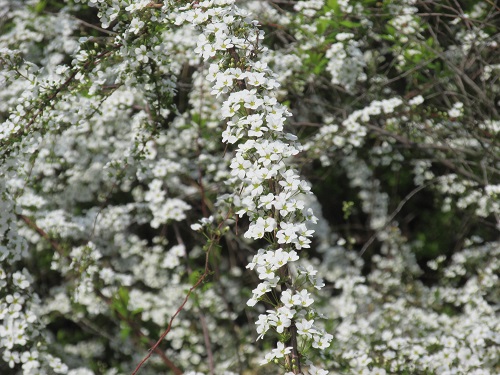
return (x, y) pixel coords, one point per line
(252, 187)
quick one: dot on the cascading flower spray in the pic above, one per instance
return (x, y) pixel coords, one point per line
(267, 189)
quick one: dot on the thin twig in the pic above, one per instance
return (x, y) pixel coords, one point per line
(46, 103)
(181, 307)
(296, 365)
(84, 23)
(208, 346)
(200, 280)
(154, 5)
(393, 215)
(42, 233)
(206, 336)
(106, 199)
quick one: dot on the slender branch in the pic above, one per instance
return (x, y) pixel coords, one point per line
(42, 233)
(208, 346)
(200, 280)
(46, 103)
(206, 336)
(136, 329)
(393, 215)
(493, 4)
(181, 307)
(296, 365)
(138, 334)
(84, 23)
(293, 359)
(106, 199)
(154, 5)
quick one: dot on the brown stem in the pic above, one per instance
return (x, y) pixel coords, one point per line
(232, 52)
(206, 336)
(393, 215)
(181, 307)
(208, 346)
(154, 5)
(132, 324)
(42, 233)
(200, 280)
(292, 360)
(136, 329)
(296, 366)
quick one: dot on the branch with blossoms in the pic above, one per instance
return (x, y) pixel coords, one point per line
(28, 117)
(138, 334)
(394, 101)
(266, 188)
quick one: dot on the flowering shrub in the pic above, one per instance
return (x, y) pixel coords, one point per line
(212, 187)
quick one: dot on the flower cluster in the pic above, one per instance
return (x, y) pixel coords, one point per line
(268, 188)
(346, 62)
(117, 195)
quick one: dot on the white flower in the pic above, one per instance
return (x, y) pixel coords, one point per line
(19, 280)
(305, 299)
(281, 350)
(262, 325)
(240, 166)
(305, 328)
(196, 227)
(322, 341)
(416, 100)
(289, 299)
(344, 36)
(142, 54)
(256, 79)
(280, 322)
(267, 201)
(313, 370)
(136, 25)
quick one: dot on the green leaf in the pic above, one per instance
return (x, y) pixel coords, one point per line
(124, 296)
(350, 24)
(40, 6)
(333, 5)
(137, 311)
(318, 69)
(322, 25)
(389, 38)
(207, 286)
(195, 275)
(125, 331)
(390, 29)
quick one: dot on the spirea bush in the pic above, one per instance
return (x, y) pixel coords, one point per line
(249, 187)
